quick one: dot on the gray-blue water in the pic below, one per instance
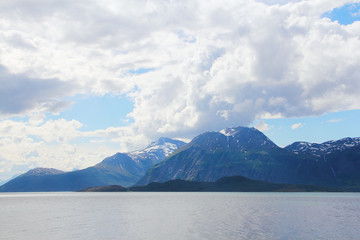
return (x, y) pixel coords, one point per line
(101, 216)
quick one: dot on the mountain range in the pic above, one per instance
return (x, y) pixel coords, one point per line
(248, 152)
(121, 169)
(209, 157)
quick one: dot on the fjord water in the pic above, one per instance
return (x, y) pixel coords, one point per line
(128, 215)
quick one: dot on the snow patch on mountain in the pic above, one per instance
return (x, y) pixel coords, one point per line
(157, 150)
(323, 148)
(229, 132)
(166, 149)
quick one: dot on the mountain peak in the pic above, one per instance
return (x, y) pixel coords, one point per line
(163, 141)
(241, 138)
(156, 151)
(42, 171)
(230, 132)
(163, 147)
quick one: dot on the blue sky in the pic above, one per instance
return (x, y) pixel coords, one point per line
(98, 112)
(82, 81)
(346, 14)
(330, 126)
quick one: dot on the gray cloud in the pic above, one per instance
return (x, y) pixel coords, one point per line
(34, 10)
(19, 94)
(17, 41)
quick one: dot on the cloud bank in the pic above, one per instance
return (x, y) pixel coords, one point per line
(188, 66)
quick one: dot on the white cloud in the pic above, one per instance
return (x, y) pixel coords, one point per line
(54, 143)
(296, 126)
(216, 64)
(275, 2)
(336, 120)
(262, 126)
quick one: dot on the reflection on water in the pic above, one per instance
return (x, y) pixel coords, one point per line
(179, 216)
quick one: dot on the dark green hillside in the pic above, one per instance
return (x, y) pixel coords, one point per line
(345, 166)
(111, 188)
(226, 184)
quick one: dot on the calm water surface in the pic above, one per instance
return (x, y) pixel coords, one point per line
(101, 216)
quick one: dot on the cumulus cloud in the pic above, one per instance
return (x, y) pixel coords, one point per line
(213, 64)
(286, 63)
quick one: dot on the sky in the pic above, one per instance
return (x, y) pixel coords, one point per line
(82, 80)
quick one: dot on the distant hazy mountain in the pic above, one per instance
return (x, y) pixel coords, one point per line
(248, 152)
(42, 172)
(120, 169)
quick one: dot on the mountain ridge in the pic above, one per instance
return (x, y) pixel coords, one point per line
(325, 148)
(248, 152)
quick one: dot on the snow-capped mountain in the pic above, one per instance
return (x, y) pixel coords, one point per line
(323, 149)
(248, 152)
(156, 151)
(212, 155)
(141, 160)
(240, 138)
